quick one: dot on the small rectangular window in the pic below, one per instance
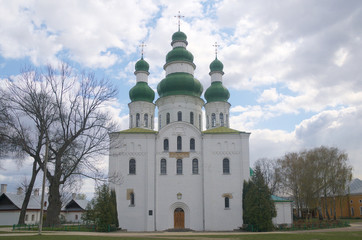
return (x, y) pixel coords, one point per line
(226, 166)
(179, 166)
(195, 166)
(163, 167)
(227, 202)
(150, 212)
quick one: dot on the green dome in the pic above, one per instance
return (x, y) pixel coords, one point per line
(141, 92)
(179, 84)
(179, 54)
(216, 66)
(142, 65)
(217, 93)
(179, 36)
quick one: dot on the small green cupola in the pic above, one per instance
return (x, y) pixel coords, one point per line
(179, 37)
(216, 66)
(216, 92)
(142, 92)
(142, 65)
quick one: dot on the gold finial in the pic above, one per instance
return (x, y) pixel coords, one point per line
(216, 46)
(179, 16)
(142, 48)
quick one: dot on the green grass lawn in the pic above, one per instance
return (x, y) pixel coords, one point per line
(300, 236)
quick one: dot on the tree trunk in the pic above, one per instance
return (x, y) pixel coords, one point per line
(55, 204)
(28, 192)
(334, 208)
(326, 207)
(320, 213)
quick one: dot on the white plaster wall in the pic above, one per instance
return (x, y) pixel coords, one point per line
(216, 148)
(12, 217)
(284, 213)
(217, 108)
(142, 108)
(70, 216)
(216, 77)
(142, 76)
(141, 147)
(188, 184)
(179, 44)
(179, 66)
(9, 217)
(183, 103)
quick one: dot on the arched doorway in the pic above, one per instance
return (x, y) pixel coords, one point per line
(179, 218)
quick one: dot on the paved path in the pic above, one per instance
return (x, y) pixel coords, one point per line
(175, 235)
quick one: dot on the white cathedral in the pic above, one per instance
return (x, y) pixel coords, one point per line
(181, 176)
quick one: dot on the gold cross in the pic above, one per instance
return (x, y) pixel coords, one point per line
(179, 16)
(142, 47)
(216, 46)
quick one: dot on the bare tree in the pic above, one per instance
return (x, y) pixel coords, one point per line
(313, 174)
(66, 109)
(27, 113)
(289, 168)
(270, 171)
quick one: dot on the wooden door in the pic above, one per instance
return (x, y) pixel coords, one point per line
(179, 218)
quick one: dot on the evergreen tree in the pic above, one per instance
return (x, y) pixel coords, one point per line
(102, 211)
(258, 206)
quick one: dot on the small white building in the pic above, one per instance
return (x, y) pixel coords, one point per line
(72, 212)
(181, 176)
(284, 211)
(10, 206)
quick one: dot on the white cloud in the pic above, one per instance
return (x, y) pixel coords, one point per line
(269, 95)
(340, 128)
(340, 56)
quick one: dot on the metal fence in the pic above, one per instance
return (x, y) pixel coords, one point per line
(67, 227)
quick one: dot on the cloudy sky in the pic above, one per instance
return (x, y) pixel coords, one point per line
(293, 68)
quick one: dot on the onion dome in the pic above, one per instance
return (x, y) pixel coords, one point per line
(142, 65)
(179, 83)
(216, 66)
(179, 37)
(179, 54)
(142, 92)
(217, 93)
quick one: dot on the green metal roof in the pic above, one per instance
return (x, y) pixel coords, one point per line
(216, 66)
(217, 93)
(141, 92)
(221, 130)
(179, 83)
(279, 199)
(139, 130)
(179, 54)
(142, 65)
(179, 36)
(251, 172)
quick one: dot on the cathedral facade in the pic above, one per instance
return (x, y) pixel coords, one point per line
(181, 176)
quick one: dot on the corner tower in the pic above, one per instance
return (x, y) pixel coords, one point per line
(217, 107)
(141, 107)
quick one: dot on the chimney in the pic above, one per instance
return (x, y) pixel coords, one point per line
(74, 195)
(19, 191)
(3, 188)
(36, 192)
